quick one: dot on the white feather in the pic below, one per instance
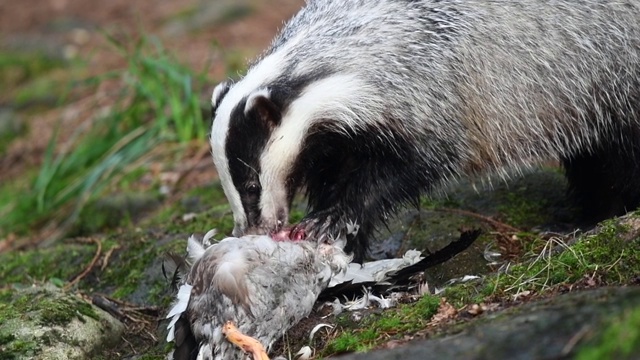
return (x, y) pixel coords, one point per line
(184, 293)
(304, 353)
(206, 240)
(317, 328)
(376, 270)
(195, 249)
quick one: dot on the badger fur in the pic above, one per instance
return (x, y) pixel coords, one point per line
(365, 105)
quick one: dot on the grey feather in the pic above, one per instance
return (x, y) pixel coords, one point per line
(262, 285)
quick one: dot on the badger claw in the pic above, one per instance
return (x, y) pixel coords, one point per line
(321, 226)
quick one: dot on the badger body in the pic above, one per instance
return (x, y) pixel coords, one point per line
(364, 106)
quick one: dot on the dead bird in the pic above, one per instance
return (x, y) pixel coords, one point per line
(241, 294)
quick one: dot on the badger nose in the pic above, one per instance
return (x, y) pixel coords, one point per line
(237, 232)
(254, 230)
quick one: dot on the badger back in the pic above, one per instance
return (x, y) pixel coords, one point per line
(469, 86)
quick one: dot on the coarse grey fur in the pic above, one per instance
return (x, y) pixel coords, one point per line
(453, 89)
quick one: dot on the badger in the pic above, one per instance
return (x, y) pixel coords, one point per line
(364, 106)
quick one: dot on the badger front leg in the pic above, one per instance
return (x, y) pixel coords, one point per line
(332, 223)
(322, 225)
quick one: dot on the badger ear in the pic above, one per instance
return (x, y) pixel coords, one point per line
(260, 102)
(218, 94)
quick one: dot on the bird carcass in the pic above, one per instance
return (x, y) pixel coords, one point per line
(239, 295)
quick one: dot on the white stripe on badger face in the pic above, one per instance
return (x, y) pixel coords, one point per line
(340, 97)
(266, 70)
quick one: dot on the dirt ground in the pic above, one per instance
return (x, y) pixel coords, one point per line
(197, 32)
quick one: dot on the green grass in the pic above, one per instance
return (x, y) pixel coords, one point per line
(158, 106)
(377, 328)
(608, 256)
(17, 68)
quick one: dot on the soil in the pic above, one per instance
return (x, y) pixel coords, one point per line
(75, 29)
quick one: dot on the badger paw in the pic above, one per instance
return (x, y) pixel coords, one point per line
(321, 226)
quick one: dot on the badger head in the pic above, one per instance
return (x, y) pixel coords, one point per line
(262, 128)
(240, 135)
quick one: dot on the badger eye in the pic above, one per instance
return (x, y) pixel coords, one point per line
(253, 188)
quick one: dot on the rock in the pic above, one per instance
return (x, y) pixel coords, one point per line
(548, 329)
(43, 322)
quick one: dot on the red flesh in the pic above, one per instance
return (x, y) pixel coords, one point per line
(288, 234)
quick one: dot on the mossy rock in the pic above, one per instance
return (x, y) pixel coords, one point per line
(597, 324)
(43, 322)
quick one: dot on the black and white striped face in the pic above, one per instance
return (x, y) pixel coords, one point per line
(259, 130)
(246, 117)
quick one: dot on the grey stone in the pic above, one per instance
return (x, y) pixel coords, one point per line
(540, 330)
(43, 322)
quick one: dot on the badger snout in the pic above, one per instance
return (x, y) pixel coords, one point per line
(265, 226)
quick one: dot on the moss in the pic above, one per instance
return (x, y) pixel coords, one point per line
(152, 357)
(344, 342)
(209, 207)
(522, 211)
(463, 294)
(41, 306)
(48, 309)
(425, 308)
(435, 202)
(62, 261)
(62, 312)
(375, 328)
(117, 210)
(607, 255)
(134, 272)
(619, 340)
(135, 254)
(615, 257)
(18, 349)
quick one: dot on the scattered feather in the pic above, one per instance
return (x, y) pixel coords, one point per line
(304, 353)
(317, 328)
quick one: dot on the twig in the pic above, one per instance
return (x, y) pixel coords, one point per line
(89, 267)
(107, 305)
(107, 256)
(125, 310)
(491, 221)
(130, 345)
